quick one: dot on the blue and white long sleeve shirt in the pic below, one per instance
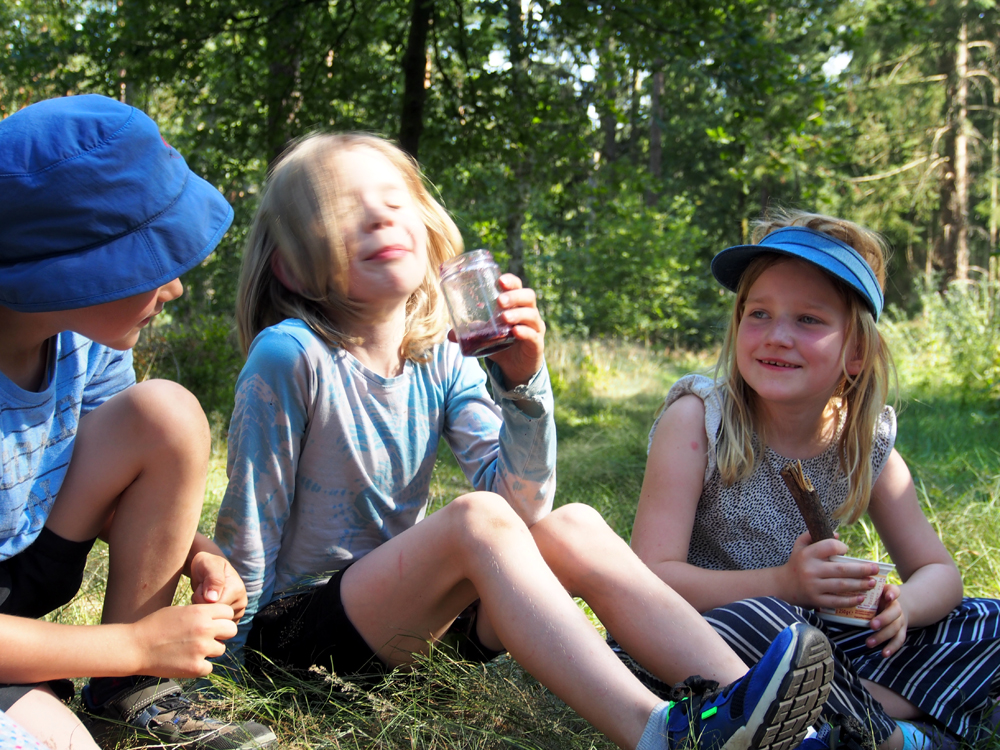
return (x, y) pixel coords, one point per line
(328, 460)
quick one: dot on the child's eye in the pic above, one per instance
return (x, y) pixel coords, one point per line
(396, 198)
(757, 314)
(810, 320)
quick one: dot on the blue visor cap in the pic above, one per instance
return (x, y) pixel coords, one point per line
(833, 256)
(95, 206)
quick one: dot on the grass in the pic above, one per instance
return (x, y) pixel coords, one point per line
(606, 398)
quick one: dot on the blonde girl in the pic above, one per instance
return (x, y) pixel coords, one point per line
(804, 374)
(349, 386)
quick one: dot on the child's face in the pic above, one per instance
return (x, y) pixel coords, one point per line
(117, 324)
(386, 238)
(790, 338)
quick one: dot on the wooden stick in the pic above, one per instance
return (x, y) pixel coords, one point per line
(808, 501)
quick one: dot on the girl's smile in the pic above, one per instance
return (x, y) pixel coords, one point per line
(391, 252)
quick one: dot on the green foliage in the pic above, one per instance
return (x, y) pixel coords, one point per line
(954, 343)
(631, 270)
(200, 353)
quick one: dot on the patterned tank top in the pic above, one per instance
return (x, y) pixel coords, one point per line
(754, 522)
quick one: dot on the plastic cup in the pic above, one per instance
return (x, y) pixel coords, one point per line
(860, 615)
(470, 285)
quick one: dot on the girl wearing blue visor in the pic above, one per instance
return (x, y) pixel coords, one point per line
(804, 375)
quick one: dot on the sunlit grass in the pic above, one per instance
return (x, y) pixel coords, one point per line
(606, 395)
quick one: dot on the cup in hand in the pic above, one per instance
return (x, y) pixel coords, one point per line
(470, 286)
(861, 614)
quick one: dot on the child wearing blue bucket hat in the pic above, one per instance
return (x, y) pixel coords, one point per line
(100, 217)
(804, 375)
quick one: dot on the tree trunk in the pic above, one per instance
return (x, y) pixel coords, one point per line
(635, 96)
(281, 92)
(961, 214)
(520, 164)
(943, 253)
(656, 136)
(514, 224)
(993, 272)
(415, 79)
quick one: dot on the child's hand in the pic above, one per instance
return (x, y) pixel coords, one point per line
(521, 361)
(214, 580)
(177, 641)
(890, 622)
(811, 580)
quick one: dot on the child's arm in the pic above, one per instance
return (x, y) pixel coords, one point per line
(661, 535)
(932, 585)
(265, 437)
(171, 642)
(515, 455)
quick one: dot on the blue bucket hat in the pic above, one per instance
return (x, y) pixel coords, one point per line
(835, 257)
(95, 206)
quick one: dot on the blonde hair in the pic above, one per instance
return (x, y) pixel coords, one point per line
(300, 218)
(858, 400)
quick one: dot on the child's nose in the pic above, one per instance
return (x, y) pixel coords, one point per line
(780, 332)
(377, 215)
(171, 290)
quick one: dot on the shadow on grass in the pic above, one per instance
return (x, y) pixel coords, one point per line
(441, 703)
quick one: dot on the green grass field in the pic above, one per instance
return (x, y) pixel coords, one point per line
(606, 398)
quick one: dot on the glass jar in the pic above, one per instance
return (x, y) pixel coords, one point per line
(470, 285)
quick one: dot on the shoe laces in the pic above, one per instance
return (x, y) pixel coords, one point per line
(692, 694)
(177, 708)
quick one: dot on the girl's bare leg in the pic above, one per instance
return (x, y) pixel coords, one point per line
(652, 622)
(894, 704)
(45, 717)
(138, 473)
(409, 590)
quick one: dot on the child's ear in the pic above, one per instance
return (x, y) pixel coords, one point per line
(284, 274)
(854, 358)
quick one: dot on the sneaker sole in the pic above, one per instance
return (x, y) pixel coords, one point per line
(114, 734)
(123, 735)
(788, 708)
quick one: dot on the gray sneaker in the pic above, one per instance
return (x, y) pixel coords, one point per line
(158, 711)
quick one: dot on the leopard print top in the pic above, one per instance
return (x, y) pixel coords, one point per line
(754, 522)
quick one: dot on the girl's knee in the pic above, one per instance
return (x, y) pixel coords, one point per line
(577, 544)
(483, 516)
(572, 527)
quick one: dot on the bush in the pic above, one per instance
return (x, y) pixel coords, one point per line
(201, 354)
(954, 342)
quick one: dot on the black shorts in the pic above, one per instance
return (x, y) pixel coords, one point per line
(310, 628)
(37, 581)
(43, 577)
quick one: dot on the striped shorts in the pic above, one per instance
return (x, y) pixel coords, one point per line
(949, 670)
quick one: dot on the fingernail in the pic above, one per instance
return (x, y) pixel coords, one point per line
(212, 596)
(502, 299)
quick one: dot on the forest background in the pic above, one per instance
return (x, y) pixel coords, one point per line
(604, 151)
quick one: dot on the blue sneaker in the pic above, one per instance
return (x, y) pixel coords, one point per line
(769, 708)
